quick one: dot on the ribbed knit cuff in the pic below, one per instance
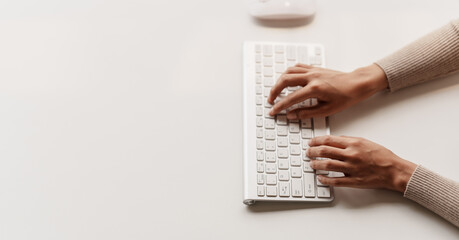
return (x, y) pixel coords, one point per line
(432, 56)
(437, 193)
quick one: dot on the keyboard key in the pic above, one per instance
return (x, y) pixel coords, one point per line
(258, 58)
(294, 138)
(268, 61)
(295, 150)
(321, 172)
(260, 178)
(268, 72)
(282, 142)
(260, 155)
(282, 130)
(291, 52)
(266, 92)
(269, 123)
(284, 175)
(268, 81)
(279, 48)
(303, 54)
(279, 68)
(306, 123)
(267, 50)
(281, 120)
(305, 144)
(271, 168)
(297, 189)
(294, 127)
(259, 111)
(317, 50)
(260, 144)
(284, 189)
(260, 167)
(271, 179)
(261, 191)
(259, 122)
(271, 191)
(309, 190)
(295, 161)
(257, 48)
(296, 172)
(291, 63)
(270, 135)
(323, 192)
(270, 145)
(306, 133)
(259, 132)
(258, 79)
(283, 164)
(259, 100)
(258, 90)
(307, 167)
(282, 152)
(304, 104)
(313, 101)
(258, 68)
(270, 157)
(279, 58)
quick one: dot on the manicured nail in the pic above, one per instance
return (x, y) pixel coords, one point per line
(320, 177)
(312, 164)
(309, 142)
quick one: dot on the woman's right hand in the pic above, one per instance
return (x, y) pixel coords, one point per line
(334, 90)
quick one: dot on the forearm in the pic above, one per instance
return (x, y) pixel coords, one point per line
(437, 193)
(430, 57)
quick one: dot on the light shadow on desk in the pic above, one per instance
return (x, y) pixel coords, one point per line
(385, 99)
(284, 23)
(286, 206)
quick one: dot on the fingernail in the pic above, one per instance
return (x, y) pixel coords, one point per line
(312, 164)
(291, 115)
(320, 177)
(271, 113)
(309, 142)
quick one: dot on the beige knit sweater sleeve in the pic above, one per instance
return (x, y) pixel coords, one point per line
(431, 57)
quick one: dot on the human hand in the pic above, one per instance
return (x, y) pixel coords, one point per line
(365, 164)
(335, 91)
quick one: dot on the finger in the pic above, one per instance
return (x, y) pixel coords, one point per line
(296, 70)
(324, 151)
(338, 181)
(291, 99)
(320, 110)
(330, 140)
(303, 65)
(330, 165)
(284, 81)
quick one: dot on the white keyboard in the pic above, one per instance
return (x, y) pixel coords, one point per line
(275, 164)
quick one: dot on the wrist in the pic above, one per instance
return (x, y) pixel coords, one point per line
(369, 80)
(402, 173)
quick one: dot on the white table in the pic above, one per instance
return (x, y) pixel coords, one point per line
(123, 120)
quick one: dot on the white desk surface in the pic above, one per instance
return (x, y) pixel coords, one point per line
(123, 120)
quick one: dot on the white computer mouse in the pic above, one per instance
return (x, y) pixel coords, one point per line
(282, 9)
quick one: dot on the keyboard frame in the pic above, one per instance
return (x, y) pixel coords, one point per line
(249, 129)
